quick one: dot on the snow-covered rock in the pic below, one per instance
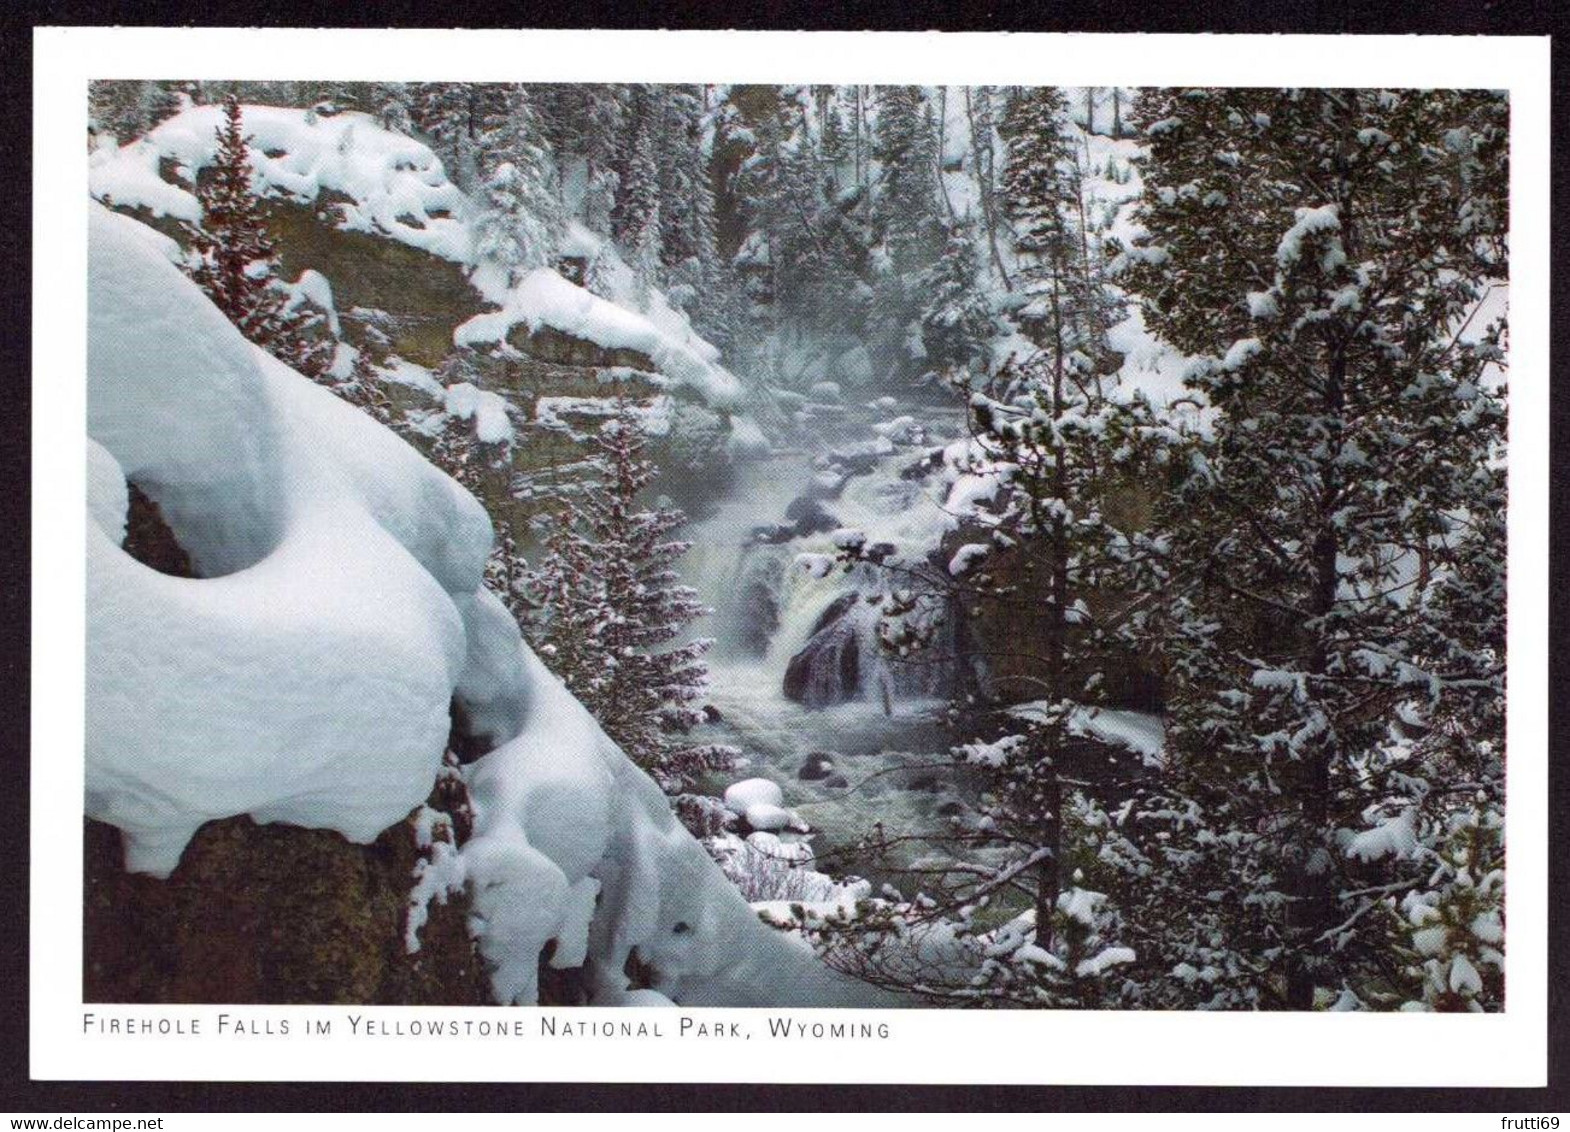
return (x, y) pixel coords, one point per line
(465, 401)
(386, 184)
(741, 796)
(383, 182)
(543, 299)
(306, 676)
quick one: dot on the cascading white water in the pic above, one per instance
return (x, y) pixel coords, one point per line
(773, 601)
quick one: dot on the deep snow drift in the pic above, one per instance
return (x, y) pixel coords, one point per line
(306, 676)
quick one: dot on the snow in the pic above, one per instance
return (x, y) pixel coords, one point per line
(1464, 978)
(488, 411)
(1150, 365)
(395, 185)
(544, 299)
(107, 496)
(1080, 904)
(741, 796)
(1396, 837)
(1308, 222)
(313, 288)
(746, 438)
(437, 877)
(1103, 961)
(1140, 732)
(1240, 352)
(761, 815)
(404, 372)
(653, 416)
(247, 692)
(997, 753)
(795, 851)
(1263, 305)
(967, 558)
(306, 676)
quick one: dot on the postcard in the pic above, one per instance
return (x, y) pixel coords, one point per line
(803, 558)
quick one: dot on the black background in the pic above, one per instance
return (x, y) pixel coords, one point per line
(19, 1094)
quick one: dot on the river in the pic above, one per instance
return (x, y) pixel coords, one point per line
(760, 559)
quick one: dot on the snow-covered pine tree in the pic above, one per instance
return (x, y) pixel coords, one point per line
(907, 225)
(392, 103)
(601, 140)
(811, 281)
(1034, 192)
(521, 225)
(687, 244)
(1335, 627)
(447, 115)
(636, 222)
(905, 213)
(834, 139)
(127, 109)
(608, 605)
(956, 323)
(981, 118)
(237, 261)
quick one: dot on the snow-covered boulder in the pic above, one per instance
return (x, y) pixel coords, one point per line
(306, 675)
(742, 796)
(383, 182)
(543, 300)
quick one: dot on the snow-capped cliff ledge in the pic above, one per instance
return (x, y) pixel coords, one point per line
(385, 184)
(306, 676)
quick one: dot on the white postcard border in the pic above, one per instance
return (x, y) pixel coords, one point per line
(923, 1046)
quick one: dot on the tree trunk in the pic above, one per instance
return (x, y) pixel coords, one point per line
(1314, 910)
(1049, 873)
(981, 151)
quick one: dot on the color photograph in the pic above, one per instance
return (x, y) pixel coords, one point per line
(635, 544)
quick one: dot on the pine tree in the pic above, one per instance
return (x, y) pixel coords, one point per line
(608, 605)
(602, 129)
(127, 109)
(1036, 189)
(905, 211)
(237, 260)
(446, 114)
(392, 104)
(983, 162)
(1335, 571)
(957, 322)
(522, 223)
(834, 138)
(907, 226)
(688, 254)
(636, 222)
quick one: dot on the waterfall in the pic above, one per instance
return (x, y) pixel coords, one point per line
(781, 616)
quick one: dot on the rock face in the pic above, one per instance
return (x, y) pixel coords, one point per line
(425, 297)
(271, 914)
(149, 540)
(828, 668)
(551, 345)
(819, 765)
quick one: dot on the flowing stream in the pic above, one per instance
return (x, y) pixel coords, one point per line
(798, 676)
